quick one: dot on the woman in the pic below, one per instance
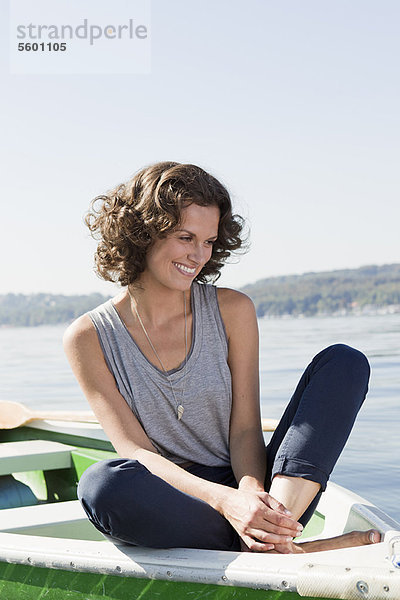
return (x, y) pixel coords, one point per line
(170, 368)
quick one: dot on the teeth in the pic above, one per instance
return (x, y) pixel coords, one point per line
(185, 269)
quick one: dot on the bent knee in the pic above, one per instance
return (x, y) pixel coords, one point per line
(103, 482)
(352, 359)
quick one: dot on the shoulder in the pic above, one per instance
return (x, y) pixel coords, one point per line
(234, 302)
(79, 332)
(84, 328)
(237, 310)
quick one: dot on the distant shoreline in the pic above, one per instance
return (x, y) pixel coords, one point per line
(32, 310)
(283, 317)
(370, 290)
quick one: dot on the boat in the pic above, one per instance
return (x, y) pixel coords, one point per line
(50, 551)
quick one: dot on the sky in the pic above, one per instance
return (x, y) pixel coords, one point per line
(292, 104)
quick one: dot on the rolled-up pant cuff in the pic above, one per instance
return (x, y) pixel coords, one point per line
(294, 467)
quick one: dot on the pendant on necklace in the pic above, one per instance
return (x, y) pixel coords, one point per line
(179, 411)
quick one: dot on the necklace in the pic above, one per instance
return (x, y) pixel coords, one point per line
(179, 405)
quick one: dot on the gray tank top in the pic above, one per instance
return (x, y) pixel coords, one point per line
(202, 435)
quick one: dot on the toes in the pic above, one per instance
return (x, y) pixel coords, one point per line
(373, 536)
(362, 538)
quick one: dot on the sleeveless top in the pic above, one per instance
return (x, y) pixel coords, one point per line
(202, 435)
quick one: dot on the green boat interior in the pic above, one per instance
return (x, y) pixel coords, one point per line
(38, 482)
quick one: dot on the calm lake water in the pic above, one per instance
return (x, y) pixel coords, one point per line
(33, 370)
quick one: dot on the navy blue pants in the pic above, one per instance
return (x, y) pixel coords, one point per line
(123, 499)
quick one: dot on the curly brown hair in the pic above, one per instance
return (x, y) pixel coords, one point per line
(129, 218)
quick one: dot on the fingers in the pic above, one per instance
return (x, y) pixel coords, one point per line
(269, 538)
(276, 505)
(278, 523)
(256, 546)
(285, 548)
(280, 517)
(259, 523)
(271, 527)
(270, 521)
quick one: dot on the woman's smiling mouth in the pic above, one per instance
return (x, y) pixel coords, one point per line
(184, 269)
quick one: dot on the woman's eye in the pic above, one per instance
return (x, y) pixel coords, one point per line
(186, 238)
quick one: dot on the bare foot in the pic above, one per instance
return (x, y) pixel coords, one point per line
(347, 540)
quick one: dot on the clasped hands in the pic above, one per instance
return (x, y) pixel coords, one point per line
(262, 522)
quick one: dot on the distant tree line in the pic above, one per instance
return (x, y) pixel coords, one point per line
(20, 310)
(348, 290)
(310, 294)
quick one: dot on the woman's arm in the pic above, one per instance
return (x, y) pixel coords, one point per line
(246, 440)
(254, 520)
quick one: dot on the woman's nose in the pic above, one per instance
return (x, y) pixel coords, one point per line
(198, 253)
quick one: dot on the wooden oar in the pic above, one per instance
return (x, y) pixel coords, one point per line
(14, 414)
(269, 424)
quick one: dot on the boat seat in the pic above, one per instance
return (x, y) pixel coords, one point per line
(58, 519)
(33, 455)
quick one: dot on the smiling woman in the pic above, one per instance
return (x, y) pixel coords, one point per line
(170, 368)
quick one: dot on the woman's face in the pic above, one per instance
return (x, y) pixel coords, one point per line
(174, 261)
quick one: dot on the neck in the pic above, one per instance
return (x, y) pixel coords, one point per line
(158, 306)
